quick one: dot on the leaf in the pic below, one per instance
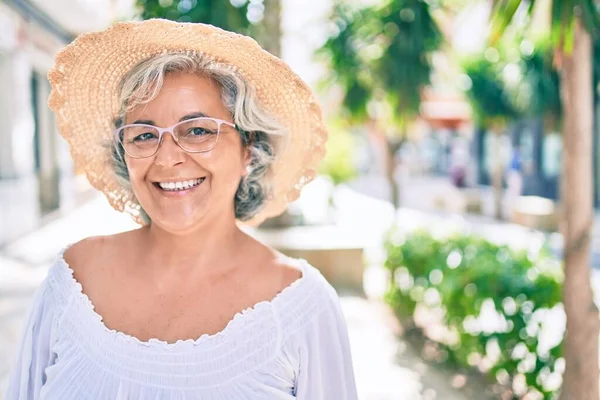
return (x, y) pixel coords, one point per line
(563, 15)
(590, 16)
(502, 15)
(215, 12)
(383, 53)
(500, 275)
(487, 95)
(569, 34)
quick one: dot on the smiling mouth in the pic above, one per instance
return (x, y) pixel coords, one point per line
(178, 186)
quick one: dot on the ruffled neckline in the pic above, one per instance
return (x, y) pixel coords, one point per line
(239, 318)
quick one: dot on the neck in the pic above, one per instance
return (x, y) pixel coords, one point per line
(203, 250)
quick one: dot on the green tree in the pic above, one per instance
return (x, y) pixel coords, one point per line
(380, 57)
(261, 20)
(498, 103)
(493, 111)
(220, 13)
(573, 24)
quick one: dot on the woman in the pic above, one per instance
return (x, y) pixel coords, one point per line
(194, 131)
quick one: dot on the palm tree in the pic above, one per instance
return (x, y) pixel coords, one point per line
(379, 56)
(499, 104)
(492, 111)
(574, 22)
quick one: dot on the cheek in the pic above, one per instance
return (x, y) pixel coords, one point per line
(226, 164)
(137, 172)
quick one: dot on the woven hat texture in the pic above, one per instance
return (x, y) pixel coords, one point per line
(84, 96)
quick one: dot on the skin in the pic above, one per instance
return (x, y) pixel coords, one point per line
(191, 270)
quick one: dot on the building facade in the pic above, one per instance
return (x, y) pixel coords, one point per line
(36, 174)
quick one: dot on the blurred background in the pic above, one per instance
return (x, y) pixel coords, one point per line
(439, 208)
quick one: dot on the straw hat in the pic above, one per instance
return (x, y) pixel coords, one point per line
(84, 96)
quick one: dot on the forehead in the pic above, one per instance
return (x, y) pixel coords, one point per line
(181, 94)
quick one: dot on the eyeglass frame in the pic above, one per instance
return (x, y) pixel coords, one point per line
(170, 130)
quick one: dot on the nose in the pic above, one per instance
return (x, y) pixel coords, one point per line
(169, 153)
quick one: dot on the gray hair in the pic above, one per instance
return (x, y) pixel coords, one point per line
(258, 130)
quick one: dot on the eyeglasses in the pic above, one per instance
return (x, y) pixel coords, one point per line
(196, 135)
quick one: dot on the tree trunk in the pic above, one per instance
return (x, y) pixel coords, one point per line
(389, 147)
(497, 174)
(478, 148)
(270, 37)
(390, 169)
(581, 342)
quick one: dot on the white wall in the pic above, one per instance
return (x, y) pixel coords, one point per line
(78, 16)
(26, 47)
(16, 122)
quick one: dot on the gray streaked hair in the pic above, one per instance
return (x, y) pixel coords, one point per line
(259, 131)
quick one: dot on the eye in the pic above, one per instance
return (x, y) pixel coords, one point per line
(198, 131)
(144, 137)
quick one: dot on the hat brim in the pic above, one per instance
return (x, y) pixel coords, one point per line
(85, 98)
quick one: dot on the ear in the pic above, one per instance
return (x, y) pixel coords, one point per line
(247, 161)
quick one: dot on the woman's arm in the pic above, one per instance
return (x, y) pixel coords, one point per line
(28, 373)
(326, 370)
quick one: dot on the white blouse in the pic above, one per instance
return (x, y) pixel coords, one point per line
(292, 347)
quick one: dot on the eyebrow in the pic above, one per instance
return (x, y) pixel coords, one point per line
(198, 114)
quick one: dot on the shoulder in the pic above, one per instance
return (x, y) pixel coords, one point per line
(287, 272)
(308, 300)
(90, 256)
(314, 284)
(57, 287)
(272, 271)
(314, 280)
(83, 256)
(79, 253)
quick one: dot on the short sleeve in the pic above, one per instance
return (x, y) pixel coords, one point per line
(325, 370)
(35, 354)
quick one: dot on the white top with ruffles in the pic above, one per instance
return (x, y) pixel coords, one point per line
(292, 347)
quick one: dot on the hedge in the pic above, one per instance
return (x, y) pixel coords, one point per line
(490, 300)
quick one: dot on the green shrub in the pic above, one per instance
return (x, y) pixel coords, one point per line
(457, 277)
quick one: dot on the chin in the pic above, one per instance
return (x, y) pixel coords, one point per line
(177, 223)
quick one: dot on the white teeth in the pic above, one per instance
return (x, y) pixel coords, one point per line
(174, 186)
